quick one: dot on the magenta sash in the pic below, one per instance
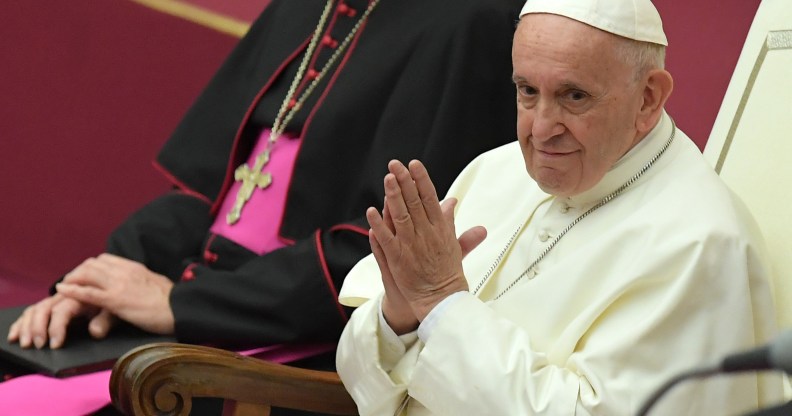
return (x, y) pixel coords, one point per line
(257, 228)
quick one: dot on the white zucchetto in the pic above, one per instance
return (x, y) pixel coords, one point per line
(633, 19)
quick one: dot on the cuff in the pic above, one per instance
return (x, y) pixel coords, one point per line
(391, 346)
(427, 326)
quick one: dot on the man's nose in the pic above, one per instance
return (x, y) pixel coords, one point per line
(547, 121)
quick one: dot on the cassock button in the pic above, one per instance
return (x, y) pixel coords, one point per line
(344, 8)
(312, 73)
(210, 257)
(188, 274)
(329, 41)
(533, 273)
(543, 235)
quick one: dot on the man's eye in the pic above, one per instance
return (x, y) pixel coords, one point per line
(577, 95)
(526, 90)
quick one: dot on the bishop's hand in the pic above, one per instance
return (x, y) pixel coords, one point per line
(47, 321)
(417, 242)
(124, 288)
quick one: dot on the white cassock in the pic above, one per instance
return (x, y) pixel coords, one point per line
(669, 275)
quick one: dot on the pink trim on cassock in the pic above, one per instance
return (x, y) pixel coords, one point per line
(257, 228)
(328, 277)
(349, 227)
(182, 187)
(80, 395)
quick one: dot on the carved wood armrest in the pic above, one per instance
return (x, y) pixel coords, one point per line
(162, 379)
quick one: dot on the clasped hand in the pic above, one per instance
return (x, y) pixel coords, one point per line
(103, 289)
(415, 245)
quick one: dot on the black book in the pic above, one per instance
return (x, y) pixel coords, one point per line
(80, 354)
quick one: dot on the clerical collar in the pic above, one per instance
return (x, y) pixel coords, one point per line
(627, 166)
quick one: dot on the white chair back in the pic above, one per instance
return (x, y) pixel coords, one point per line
(751, 141)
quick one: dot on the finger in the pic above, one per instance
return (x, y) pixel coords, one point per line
(13, 332)
(447, 208)
(426, 191)
(24, 327)
(386, 217)
(378, 226)
(382, 261)
(397, 208)
(379, 255)
(86, 294)
(113, 260)
(409, 192)
(113, 263)
(38, 324)
(101, 324)
(380, 231)
(471, 239)
(18, 332)
(92, 272)
(62, 314)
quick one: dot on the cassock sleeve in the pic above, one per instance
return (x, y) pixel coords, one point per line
(163, 233)
(287, 295)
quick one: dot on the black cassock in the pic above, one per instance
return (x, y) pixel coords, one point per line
(423, 79)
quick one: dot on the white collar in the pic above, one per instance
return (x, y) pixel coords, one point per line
(627, 166)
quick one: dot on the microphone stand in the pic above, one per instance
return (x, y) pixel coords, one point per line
(687, 375)
(783, 409)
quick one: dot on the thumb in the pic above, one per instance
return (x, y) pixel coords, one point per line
(471, 238)
(101, 324)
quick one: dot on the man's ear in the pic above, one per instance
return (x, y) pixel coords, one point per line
(657, 88)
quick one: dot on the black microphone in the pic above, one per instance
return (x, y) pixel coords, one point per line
(777, 355)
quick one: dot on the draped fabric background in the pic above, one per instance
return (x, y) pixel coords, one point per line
(89, 91)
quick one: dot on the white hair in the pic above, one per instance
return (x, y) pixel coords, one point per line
(643, 56)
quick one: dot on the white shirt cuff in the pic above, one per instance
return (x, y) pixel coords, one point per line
(391, 346)
(427, 326)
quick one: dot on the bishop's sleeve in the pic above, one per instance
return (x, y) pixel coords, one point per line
(163, 233)
(288, 295)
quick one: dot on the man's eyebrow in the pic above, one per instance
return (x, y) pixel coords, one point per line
(516, 78)
(572, 86)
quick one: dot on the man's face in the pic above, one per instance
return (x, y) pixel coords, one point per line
(577, 102)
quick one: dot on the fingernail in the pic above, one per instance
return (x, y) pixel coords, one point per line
(24, 341)
(54, 342)
(39, 342)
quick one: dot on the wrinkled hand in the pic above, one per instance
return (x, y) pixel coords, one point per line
(420, 250)
(395, 308)
(125, 288)
(48, 320)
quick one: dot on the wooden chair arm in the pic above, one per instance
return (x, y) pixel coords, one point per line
(162, 379)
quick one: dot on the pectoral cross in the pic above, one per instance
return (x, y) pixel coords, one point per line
(251, 179)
